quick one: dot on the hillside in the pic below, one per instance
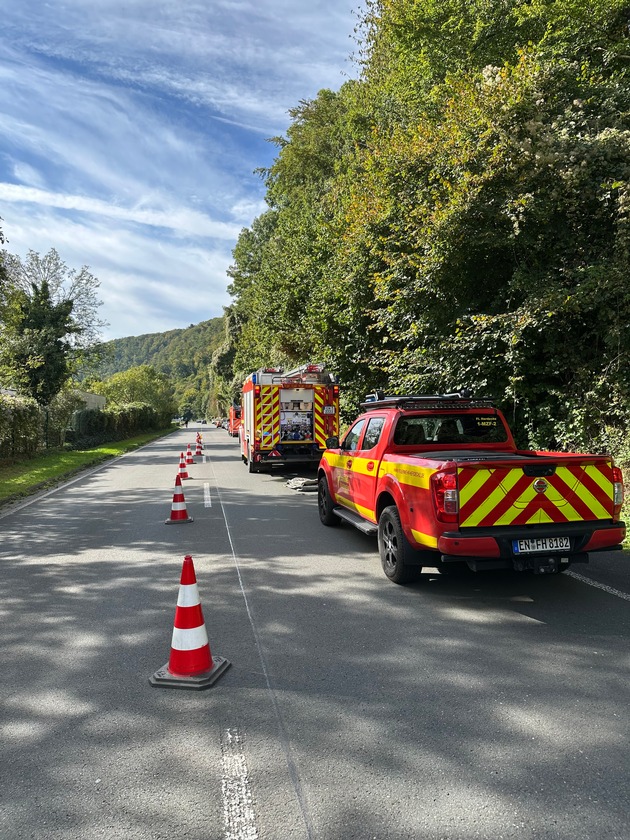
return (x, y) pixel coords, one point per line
(177, 353)
(184, 355)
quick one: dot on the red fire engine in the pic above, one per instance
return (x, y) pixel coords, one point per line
(234, 420)
(287, 416)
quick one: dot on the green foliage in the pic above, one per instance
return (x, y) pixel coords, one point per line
(37, 351)
(183, 356)
(92, 426)
(58, 415)
(142, 384)
(49, 323)
(20, 424)
(458, 217)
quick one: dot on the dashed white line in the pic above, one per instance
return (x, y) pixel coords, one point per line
(207, 498)
(282, 731)
(238, 809)
(597, 585)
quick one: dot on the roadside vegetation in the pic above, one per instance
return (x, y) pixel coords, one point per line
(457, 217)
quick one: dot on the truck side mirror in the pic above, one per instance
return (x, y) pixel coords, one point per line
(332, 442)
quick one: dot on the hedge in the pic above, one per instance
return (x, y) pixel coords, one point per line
(93, 426)
(21, 422)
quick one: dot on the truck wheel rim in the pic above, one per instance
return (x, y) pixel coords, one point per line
(390, 547)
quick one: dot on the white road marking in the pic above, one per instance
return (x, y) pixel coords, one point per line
(597, 585)
(207, 498)
(292, 767)
(238, 809)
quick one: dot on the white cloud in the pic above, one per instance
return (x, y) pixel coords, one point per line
(178, 219)
(130, 132)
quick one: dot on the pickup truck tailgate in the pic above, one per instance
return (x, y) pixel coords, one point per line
(533, 494)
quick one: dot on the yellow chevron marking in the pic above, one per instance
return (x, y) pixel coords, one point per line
(479, 478)
(487, 506)
(600, 477)
(593, 504)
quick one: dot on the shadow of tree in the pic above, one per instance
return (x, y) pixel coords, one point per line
(484, 707)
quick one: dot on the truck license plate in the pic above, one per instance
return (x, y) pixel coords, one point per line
(329, 409)
(541, 544)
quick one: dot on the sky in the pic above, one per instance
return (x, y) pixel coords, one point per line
(130, 132)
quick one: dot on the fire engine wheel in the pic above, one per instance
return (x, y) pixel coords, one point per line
(325, 504)
(394, 548)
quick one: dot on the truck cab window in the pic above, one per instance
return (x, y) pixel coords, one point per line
(373, 432)
(351, 440)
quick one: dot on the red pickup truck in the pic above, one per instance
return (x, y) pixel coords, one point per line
(440, 481)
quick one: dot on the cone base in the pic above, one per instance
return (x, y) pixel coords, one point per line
(164, 679)
(177, 521)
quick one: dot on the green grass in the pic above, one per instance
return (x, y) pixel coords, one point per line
(29, 475)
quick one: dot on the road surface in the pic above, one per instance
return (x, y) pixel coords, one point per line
(485, 708)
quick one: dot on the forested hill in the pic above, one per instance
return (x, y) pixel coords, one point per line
(180, 354)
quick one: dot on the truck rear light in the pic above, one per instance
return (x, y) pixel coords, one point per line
(445, 496)
(617, 492)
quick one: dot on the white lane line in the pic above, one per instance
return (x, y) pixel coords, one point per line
(207, 498)
(292, 767)
(597, 585)
(238, 809)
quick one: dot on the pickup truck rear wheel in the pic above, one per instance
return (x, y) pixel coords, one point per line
(325, 504)
(394, 548)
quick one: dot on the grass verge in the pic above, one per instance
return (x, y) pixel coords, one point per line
(30, 475)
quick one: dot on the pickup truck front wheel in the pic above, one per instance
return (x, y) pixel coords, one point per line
(394, 548)
(325, 504)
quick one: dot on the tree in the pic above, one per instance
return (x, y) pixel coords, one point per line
(49, 320)
(141, 384)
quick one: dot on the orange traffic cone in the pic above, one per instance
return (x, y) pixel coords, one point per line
(191, 664)
(198, 450)
(178, 508)
(189, 456)
(183, 472)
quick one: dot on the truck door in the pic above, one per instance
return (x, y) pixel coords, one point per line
(342, 473)
(365, 469)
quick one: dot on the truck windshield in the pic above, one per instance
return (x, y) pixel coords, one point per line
(450, 428)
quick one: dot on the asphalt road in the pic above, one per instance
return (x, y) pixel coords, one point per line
(490, 707)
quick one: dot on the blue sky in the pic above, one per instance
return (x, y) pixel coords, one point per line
(130, 131)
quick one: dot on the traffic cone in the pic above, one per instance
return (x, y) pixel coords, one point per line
(198, 450)
(189, 456)
(178, 508)
(191, 664)
(183, 472)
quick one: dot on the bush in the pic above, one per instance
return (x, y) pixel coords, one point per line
(20, 426)
(93, 426)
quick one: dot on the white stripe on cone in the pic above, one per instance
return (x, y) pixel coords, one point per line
(188, 595)
(192, 639)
